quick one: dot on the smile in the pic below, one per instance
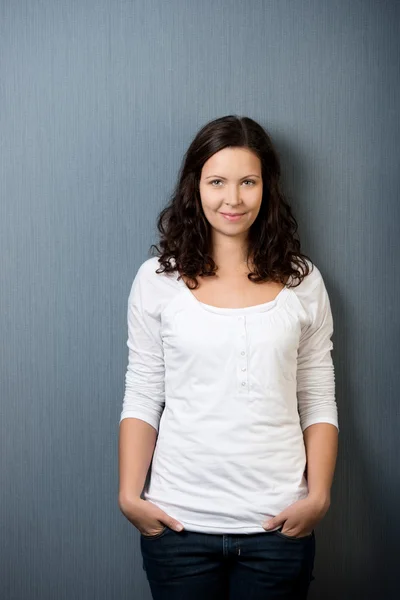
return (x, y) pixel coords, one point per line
(232, 217)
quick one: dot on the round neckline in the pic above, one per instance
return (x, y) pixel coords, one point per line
(254, 308)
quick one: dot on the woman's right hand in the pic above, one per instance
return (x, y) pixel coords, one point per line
(148, 518)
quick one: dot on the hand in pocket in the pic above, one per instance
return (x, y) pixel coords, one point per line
(148, 518)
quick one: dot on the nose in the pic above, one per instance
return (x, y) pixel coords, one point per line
(233, 196)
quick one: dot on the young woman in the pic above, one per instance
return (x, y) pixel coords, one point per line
(230, 383)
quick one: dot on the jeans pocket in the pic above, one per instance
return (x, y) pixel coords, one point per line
(292, 538)
(156, 536)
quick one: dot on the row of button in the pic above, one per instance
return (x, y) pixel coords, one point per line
(243, 352)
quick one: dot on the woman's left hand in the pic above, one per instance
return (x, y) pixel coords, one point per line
(300, 518)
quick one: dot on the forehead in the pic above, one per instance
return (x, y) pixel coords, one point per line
(232, 161)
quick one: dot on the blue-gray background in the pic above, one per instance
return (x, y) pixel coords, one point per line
(98, 102)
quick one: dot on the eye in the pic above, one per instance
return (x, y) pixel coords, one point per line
(216, 181)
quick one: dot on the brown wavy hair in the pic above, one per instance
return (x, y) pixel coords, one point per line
(185, 233)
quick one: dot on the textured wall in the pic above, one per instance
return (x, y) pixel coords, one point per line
(98, 101)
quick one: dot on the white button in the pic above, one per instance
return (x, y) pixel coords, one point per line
(243, 383)
(243, 368)
(243, 353)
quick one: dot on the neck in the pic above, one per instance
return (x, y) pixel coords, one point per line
(230, 255)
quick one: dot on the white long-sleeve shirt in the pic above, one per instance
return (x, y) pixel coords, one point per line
(230, 392)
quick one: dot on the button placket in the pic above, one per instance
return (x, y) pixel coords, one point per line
(242, 354)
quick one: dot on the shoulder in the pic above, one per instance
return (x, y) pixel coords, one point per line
(154, 289)
(148, 277)
(311, 283)
(147, 270)
(312, 292)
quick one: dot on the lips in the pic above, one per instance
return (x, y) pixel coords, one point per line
(232, 216)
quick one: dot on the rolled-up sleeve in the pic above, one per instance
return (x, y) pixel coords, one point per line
(315, 368)
(144, 379)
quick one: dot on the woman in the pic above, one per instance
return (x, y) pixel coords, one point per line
(230, 372)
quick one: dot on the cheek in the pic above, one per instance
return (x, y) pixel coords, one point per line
(209, 203)
(256, 197)
(255, 202)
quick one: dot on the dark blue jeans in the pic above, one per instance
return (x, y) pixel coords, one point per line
(201, 566)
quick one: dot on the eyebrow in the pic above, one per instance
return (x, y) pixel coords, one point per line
(220, 177)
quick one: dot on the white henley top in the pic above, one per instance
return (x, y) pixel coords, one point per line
(230, 392)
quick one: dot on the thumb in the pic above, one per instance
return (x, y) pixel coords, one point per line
(170, 522)
(275, 521)
(175, 525)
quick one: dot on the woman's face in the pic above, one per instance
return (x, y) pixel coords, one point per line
(231, 190)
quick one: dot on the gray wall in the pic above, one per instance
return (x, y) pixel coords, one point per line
(99, 100)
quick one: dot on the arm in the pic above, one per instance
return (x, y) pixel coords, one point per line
(143, 401)
(321, 441)
(316, 395)
(137, 440)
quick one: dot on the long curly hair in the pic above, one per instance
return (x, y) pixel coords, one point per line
(185, 233)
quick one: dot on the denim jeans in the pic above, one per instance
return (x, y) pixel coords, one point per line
(201, 566)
